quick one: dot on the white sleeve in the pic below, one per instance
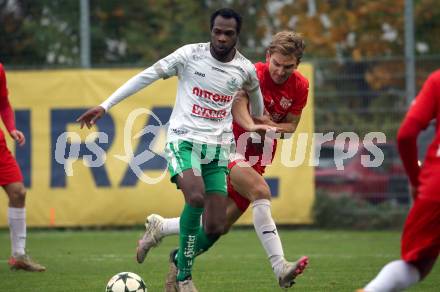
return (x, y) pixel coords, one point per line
(252, 87)
(256, 102)
(171, 65)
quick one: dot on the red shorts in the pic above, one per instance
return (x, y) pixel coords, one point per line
(421, 234)
(9, 169)
(241, 202)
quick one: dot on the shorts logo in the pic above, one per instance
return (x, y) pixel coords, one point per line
(179, 131)
(285, 103)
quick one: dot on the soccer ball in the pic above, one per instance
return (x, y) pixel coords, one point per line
(126, 282)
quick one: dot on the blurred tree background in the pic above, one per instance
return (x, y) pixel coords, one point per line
(356, 46)
(45, 32)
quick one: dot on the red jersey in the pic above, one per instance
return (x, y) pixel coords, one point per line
(279, 100)
(6, 113)
(424, 109)
(9, 169)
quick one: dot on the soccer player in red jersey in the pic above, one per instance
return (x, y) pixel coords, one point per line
(12, 182)
(420, 242)
(285, 93)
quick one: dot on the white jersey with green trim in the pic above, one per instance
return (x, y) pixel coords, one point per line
(205, 92)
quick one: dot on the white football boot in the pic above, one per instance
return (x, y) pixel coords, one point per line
(151, 237)
(291, 270)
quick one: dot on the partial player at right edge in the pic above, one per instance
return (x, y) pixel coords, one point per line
(420, 242)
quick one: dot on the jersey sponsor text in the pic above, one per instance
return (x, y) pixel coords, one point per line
(211, 95)
(208, 113)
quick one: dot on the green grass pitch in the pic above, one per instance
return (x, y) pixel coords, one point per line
(85, 260)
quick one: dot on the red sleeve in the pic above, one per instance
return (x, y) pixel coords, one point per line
(6, 112)
(260, 68)
(407, 144)
(424, 107)
(420, 114)
(301, 94)
(3, 88)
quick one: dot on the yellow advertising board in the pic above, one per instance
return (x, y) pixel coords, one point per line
(63, 187)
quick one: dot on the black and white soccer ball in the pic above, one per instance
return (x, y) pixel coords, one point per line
(126, 282)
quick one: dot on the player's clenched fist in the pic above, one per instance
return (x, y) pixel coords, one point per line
(91, 116)
(18, 137)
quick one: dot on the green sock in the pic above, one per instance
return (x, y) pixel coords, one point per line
(204, 242)
(189, 227)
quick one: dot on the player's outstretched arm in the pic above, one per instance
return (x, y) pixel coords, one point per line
(90, 117)
(285, 128)
(161, 69)
(130, 87)
(289, 125)
(241, 114)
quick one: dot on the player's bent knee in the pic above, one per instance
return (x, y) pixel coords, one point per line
(20, 192)
(21, 195)
(18, 196)
(260, 191)
(196, 200)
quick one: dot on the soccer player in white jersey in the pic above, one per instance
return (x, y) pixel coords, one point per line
(200, 128)
(285, 93)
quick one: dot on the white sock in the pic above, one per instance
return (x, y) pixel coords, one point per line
(170, 226)
(17, 229)
(395, 276)
(268, 234)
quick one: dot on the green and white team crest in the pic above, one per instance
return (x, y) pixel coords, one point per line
(232, 84)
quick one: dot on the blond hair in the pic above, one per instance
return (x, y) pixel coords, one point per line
(287, 43)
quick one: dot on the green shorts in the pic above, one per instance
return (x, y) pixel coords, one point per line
(209, 161)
